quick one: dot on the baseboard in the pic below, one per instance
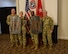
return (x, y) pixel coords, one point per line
(63, 37)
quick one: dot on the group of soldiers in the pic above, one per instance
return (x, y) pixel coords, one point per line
(18, 28)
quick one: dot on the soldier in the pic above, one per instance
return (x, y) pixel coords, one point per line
(23, 22)
(47, 30)
(14, 27)
(34, 29)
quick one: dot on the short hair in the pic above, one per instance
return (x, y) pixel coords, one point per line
(21, 11)
(32, 12)
(46, 11)
(13, 9)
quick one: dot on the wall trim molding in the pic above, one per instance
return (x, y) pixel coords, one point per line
(63, 37)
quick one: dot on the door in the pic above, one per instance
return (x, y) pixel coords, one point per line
(4, 12)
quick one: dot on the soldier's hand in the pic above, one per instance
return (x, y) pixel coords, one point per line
(51, 31)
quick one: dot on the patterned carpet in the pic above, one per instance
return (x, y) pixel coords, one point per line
(60, 48)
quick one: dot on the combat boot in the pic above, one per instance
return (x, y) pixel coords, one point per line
(21, 45)
(16, 44)
(12, 45)
(24, 47)
(50, 47)
(36, 47)
(44, 47)
(32, 47)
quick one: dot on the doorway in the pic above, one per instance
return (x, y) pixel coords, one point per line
(4, 12)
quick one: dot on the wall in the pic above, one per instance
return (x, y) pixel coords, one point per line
(7, 3)
(59, 14)
(63, 19)
(49, 5)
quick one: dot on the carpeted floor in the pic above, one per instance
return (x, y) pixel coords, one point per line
(60, 48)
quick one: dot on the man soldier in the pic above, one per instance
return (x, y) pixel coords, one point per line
(14, 23)
(23, 22)
(47, 30)
(34, 29)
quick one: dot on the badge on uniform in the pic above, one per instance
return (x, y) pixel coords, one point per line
(32, 4)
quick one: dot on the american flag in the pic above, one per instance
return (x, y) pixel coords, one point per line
(27, 13)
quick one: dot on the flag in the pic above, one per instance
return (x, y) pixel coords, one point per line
(32, 4)
(39, 9)
(27, 10)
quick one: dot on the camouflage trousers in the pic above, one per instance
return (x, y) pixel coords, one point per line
(24, 36)
(34, 38)
(14, 38)
(46, 32)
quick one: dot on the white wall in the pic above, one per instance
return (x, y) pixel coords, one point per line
(49, 5)
(63, 19)
(52, 8)
(7, 3)
(60, 15)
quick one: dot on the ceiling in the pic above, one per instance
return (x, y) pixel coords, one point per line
(7, 3)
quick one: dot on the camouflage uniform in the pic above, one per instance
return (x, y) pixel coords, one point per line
(23, 31)
(47, 27)
(35, 30)
(13, 37)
